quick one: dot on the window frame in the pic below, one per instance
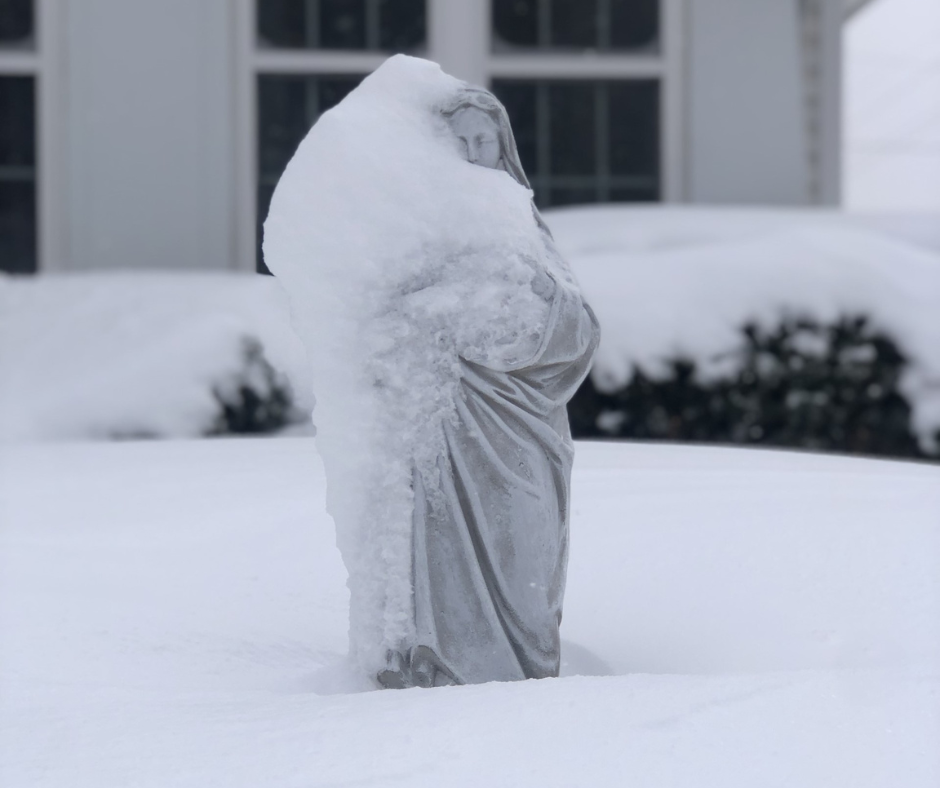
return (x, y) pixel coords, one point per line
(42, 63)
(459, 38)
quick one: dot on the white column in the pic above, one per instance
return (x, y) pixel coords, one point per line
(830, 121)
(459, 38)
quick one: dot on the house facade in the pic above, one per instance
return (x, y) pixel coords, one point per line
(151, 133)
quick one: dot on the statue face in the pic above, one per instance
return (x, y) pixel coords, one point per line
(479, 136)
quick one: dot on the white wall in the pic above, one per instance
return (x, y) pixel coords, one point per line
(147, 134)
(746, 126)
(892, 108)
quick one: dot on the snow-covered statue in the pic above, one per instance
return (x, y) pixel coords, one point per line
(446, 335)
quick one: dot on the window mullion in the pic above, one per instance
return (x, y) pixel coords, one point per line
(602, 140)
(373, 24)
(543, 134)
(544, 21)
(312, 23)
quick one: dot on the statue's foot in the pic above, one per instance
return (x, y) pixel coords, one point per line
(427, 670)
(396, 674)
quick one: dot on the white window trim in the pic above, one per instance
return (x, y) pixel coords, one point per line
(43, 63)
(458, 39)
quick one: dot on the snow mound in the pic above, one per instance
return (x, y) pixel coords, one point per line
(123, 354)
(667, 282)
(398, 256)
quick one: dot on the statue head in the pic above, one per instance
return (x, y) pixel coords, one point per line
(481, 124)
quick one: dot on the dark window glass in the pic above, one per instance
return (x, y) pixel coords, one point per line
(288, 106)
(586, 141)
(634, 141)
(402, 25)
(571, 128)
(634, 24)
(575, 24)
(342, 24)
(515, 23)
(16, 23)
(379, 25)
(17, 174)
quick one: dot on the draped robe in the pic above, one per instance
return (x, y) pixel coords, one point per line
(491, 528)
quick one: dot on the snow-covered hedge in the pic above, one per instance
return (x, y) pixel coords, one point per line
(682, 285)
(108, 355)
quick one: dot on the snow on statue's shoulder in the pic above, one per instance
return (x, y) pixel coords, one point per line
(400, 257)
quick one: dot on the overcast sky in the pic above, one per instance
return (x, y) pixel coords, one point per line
(892, 107)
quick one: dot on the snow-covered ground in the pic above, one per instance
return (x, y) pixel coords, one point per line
(174, 613)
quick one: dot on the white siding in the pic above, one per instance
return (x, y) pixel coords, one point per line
(148, 139)
(746, 124)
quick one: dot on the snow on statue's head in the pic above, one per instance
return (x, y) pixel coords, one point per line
(399, 254)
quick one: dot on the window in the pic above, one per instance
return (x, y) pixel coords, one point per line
(18, 207)
(583, 83)
(308, 55)
(584, 141)
(377, 25)
(602, 25)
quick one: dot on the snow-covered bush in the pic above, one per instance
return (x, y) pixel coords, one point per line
(121, 355)
(803, 384)
(794, 328)
(256, 398)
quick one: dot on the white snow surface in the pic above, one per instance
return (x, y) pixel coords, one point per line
(103, 355)
(174, 614)
(398, 257)
(666, 282)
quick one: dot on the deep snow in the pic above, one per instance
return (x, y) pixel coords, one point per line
(174, 613)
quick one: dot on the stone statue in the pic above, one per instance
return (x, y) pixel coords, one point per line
(445, 336)
(490, 526)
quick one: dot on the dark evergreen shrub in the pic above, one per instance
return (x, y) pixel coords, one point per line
(803, 384)
(256, 399)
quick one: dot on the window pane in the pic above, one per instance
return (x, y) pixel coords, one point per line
(17, 175)
(586, 140)
(17, 227)
(634, 128)
(634, 24)
(572, 131)
(16, 23)
(402, 25)
(515, 23)
(559, 197)
(288, 105)
(575, 24)
(376, 25)
(342, 24)
(17, 122)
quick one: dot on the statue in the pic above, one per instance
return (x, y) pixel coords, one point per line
(472, 589)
